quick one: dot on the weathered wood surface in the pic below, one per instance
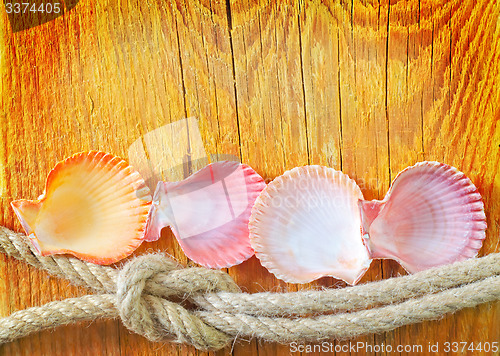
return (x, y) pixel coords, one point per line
(368, 87)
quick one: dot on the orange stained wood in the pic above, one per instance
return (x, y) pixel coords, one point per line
(369, 87)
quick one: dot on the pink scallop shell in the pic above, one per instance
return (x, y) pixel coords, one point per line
(208, 213)
(432, 215)
(306, 224)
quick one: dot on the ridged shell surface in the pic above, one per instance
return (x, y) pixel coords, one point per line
(432, 215)
(208, 213)
(94, 206)
(306, 224)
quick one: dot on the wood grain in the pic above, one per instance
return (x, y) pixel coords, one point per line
(368, 87)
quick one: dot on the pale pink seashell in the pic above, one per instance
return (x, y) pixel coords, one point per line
(306, 224)
(432, 215)
(208, 213)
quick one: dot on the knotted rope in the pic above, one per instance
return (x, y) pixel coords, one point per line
(150, 294)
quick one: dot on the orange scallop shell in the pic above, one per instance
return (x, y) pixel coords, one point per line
(94, 207)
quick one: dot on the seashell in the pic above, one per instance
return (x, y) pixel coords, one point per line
(94, 207)
(208, 213)
(431, 215)
(306, 224)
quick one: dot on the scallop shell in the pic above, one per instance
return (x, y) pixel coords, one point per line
(432, 215)
(306, 224)
(208, 213)
(94, 207)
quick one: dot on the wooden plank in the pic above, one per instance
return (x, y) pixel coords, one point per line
(267, 66)
(363, 54)
(458, 137)
(407, 63)
(368, 87)
(319, 34)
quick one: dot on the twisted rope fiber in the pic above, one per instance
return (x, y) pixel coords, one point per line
(102, 279)
(141, 294)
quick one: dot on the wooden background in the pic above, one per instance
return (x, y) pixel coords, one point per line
(368, 87)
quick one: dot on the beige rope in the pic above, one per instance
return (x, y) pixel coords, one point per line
(141, 294)
(99, 278)
(350, 325)
(388, 291)
(24, 322)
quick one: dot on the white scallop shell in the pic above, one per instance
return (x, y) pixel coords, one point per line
(432, 215)
(306, 224)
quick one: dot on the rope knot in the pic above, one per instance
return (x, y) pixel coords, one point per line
(144, 286)
(139, 294)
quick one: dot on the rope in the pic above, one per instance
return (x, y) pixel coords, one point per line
(151, 295)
